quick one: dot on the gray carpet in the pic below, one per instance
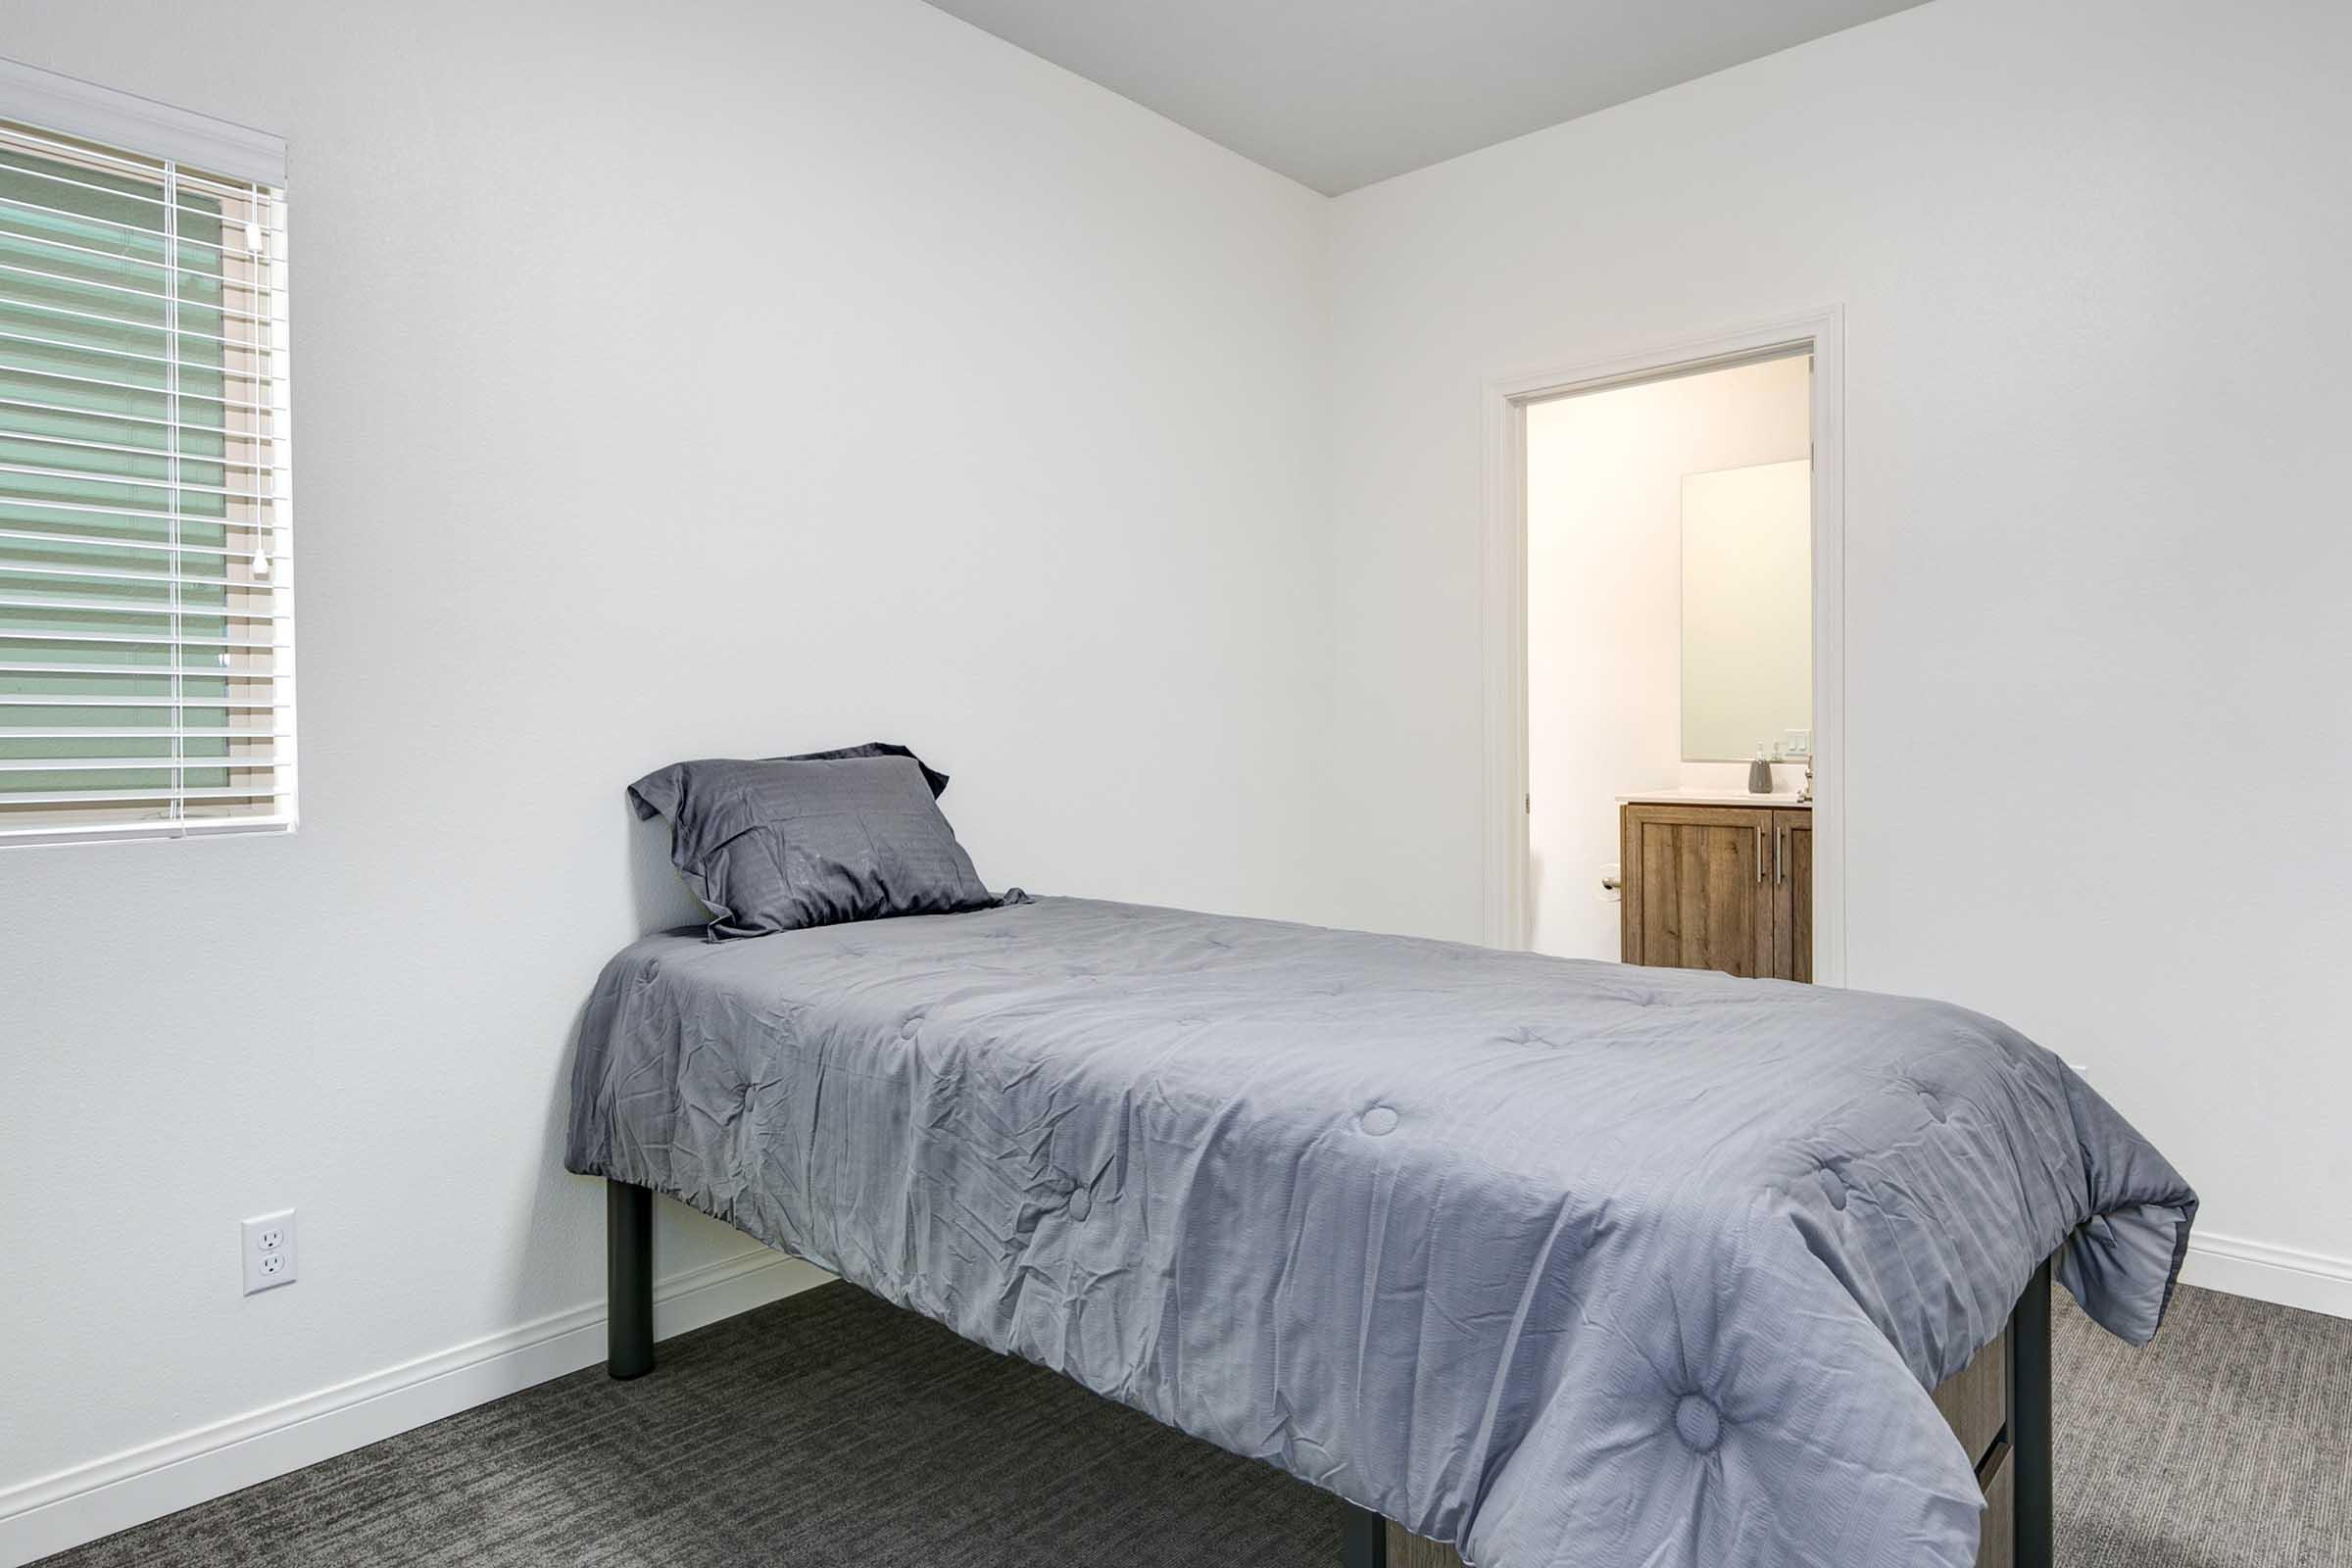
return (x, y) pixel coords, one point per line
(832, 1429)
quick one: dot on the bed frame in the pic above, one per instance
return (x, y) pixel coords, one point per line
(1998, 1406)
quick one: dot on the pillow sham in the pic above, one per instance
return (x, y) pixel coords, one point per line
(820, 839)
(931, 775)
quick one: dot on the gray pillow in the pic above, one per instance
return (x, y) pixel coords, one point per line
(803, 841)
(937, 780)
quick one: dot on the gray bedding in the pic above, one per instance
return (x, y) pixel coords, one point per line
(1560, 1261)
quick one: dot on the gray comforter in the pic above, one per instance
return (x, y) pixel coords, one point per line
(1560, 1261)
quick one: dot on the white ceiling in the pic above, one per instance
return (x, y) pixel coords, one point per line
(1339, 93)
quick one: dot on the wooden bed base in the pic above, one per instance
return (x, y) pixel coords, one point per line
(1998, 1406)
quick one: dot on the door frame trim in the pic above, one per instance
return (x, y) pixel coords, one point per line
(1502, 570)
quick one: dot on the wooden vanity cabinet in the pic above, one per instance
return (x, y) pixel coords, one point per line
(1718, 887)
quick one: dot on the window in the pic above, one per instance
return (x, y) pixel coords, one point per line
(146, 575)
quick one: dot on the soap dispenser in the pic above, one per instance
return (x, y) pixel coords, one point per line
(1759, 774)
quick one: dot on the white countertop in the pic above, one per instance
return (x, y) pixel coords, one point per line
(1785, 800)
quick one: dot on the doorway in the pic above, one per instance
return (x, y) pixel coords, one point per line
(1665, 619)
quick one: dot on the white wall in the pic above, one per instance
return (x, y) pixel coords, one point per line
(670, 381)
(1604, 612)
(2092, 257)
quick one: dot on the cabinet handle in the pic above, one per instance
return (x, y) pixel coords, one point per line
(1780, 856)
(1759, 853)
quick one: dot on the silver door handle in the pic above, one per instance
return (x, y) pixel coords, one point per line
(1780, 856)
(1759, 853)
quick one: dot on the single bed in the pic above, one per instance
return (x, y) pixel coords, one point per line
(1545, 1260)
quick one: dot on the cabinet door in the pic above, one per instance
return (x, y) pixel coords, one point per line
(1793, 906)
(1698, 889)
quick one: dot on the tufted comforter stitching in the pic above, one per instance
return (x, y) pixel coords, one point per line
(1563, 1262)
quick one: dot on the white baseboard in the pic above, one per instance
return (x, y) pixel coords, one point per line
(50, 1513)
(2285, 1275)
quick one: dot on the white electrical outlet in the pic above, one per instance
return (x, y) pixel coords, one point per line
(267, 1246)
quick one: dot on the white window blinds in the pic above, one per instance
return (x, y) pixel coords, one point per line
(146, 575)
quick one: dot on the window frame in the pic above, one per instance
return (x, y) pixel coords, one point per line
(219, 156)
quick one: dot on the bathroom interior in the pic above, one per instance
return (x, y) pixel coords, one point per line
(1670, 671)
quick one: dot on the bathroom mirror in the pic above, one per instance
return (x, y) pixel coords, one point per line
(1748, 612)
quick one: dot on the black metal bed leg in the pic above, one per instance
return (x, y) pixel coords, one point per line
(1363, 1538)
(2029, 1436)
(628, 1279)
